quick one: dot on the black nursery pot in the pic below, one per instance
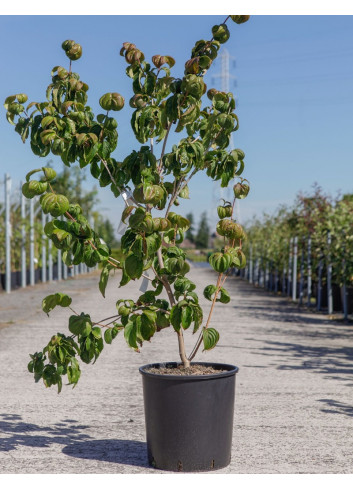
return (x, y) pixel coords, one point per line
(189, 419)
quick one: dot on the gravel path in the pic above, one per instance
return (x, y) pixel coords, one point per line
(294, 399)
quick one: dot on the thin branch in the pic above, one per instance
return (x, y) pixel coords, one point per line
(163, 148)
(164, 280)
(174, 195)
(121, 190)
(111, 322)
(109, 173)
(73, 311)
(209, 42)
(95, 248)
(111, 317)
(225, 277)
(199, 341)
(233, 207)
(179, 189)
(168, 289)
(148, 278)
(116, 261)
(99, 324)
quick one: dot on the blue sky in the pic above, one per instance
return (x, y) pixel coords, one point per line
(294, 86)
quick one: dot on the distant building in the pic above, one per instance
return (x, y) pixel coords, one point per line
(213, 237)
(187, 244)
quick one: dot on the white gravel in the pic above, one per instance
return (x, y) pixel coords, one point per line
(294, 401)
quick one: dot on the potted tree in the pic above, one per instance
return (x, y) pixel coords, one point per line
(188, 405)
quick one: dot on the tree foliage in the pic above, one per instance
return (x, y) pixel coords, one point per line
(203, 233)
(313, 215)
(65, 125)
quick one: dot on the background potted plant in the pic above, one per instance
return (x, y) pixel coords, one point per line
(188, 406)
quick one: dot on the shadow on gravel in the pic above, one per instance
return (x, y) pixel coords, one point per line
(337, 407)
(319, 359)
(300, 330)
(127, 452)
(16, 432)
(263, 304)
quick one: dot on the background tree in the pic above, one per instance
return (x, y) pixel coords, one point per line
(190, 232)
(105, 229)
(70, 181)
(312, 215)
(203, 233)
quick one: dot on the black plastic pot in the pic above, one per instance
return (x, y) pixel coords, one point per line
(189, 419)
(349, 292)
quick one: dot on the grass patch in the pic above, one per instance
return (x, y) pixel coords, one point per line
(117, 254)
(197, 255)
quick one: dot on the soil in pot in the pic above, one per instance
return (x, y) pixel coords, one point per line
(194, 369)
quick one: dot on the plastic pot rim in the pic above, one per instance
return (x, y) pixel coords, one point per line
(230, 370)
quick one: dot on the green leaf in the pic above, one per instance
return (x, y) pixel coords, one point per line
(116, 329)
(224, 297)
(240, 169)
(108, 335)
(130, 335)
(55, 204)
(148, 317)
(133, 266)
(126, 213)
(136, 218)
(10, 118)
(9, 100)
(209, 291)
(105, 149)
(29, 174)
(27, 192)
(198, 317)
(104, 277)
(210, 338)
(125, 279)
(175, 317)
(186, 317)
(184, 192)
(73, 372)
(49, 173)
(80, 325)
(60, 234)
(103, 250)
(194, 296)
(153, 243)
(53, 300)
(36, 187)
(162, 320)
(97, 333)
(148, 324)
(78, 250)
(220, 261)
(182, 285)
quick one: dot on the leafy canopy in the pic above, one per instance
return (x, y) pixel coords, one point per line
(65, 125)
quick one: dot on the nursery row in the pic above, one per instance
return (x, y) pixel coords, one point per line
(26, 254)
(306, 252)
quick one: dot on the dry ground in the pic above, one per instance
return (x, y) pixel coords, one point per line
(294, 399)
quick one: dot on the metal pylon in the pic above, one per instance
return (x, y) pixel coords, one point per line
(218, 192)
